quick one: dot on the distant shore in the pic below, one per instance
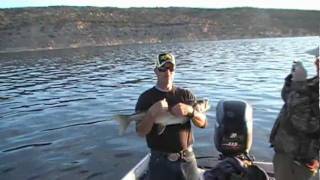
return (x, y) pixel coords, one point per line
(18, 50)
(21, 50)
(37, 29)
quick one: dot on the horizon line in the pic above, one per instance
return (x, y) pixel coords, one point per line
(158, 7)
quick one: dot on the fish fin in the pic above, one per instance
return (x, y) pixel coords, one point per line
(160, 129)
(123, 121)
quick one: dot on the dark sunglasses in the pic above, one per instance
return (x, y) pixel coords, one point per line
(165, 68)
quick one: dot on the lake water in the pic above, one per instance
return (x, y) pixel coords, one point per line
(56, 107)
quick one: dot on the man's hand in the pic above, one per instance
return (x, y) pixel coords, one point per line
(158, 108)
(181, 110)
(299, 73)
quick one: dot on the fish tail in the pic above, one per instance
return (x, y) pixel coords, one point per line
(124, 122)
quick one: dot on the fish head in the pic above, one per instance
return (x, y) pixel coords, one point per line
(202, 105)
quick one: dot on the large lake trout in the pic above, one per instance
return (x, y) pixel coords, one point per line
(163, 121)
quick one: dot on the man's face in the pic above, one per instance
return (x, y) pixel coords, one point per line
(166, 72)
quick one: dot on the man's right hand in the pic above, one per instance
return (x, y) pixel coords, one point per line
(299, 73)
(159, 108)
(156, 110)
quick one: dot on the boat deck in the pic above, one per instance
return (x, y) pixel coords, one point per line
(204, 163)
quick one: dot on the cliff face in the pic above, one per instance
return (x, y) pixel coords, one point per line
(65, 27)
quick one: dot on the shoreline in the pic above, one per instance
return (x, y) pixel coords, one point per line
(26, 50)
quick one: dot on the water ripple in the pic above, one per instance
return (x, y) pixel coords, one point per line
(27, 146)
(44, 94)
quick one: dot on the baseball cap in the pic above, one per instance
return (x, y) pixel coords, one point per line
(164, 58)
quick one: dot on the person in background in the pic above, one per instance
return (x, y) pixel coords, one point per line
(172, 156)
(295, 135)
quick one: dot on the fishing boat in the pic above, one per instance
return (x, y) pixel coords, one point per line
(233, 136)
(139, 171)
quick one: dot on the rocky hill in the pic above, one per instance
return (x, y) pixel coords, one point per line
(70, 27)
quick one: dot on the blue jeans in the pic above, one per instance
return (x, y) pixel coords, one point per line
(161, 168)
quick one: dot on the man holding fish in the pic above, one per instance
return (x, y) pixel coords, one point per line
(172, 156)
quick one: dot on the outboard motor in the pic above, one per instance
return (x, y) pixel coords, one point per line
(233, 128)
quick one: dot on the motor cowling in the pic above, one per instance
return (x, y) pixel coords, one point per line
(233, 127)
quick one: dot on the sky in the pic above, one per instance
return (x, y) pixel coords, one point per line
(277, 4)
